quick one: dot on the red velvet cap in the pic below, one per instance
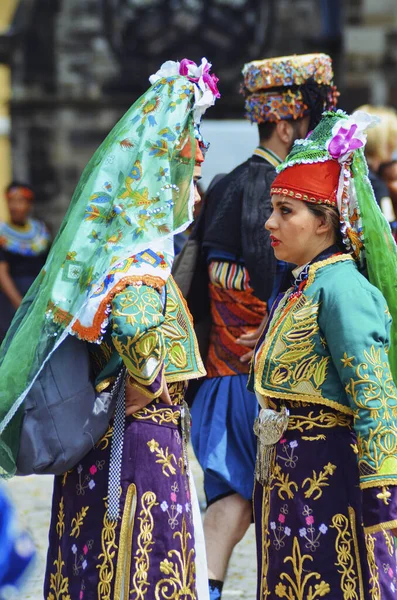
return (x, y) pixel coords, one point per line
(316, 183)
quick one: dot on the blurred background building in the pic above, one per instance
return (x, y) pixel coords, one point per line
(77, 65)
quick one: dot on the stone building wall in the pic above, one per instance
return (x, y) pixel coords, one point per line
(69, 87)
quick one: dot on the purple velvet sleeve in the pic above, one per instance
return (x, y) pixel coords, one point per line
(380, 508)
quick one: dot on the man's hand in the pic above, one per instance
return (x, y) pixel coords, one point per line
(135, 400)
(249, 340)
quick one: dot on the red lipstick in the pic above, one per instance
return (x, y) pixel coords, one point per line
(274, 241)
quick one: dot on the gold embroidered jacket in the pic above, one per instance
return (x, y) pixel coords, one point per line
(152, 333)
(329, 346)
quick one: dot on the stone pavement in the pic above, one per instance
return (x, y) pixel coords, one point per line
(32, 497)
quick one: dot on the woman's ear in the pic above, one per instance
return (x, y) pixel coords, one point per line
(323, 226)
(285, 132)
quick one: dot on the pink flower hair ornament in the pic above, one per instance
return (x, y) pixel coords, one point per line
(205, 89)
(349, 135)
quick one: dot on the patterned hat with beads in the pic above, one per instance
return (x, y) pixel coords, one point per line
(288, 87)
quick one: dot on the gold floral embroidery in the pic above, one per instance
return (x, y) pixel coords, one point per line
(182, 360)
(109, 547)
(65, 476)
(318, 481)
(105, 440)
(373, 569)
(163, 458)
(160, 416)
(347, 361)
(344, 546)
(60, 527)
(298, 587)
(265, 592)
(77, 521)
(288, 351)
(384, 495)
(320, 419)
(180, 573)
(314, 438)
(140, 583)
(123, 571)
(281, 480)
(389, 542)
(58, 583)
(377, 447)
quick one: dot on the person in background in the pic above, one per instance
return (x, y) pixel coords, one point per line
(24, 245)
(381, 145)
(284, 97)
(388, 173)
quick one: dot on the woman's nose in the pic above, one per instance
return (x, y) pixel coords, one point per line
(270, 223)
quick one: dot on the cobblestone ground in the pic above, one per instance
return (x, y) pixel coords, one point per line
(32, 496)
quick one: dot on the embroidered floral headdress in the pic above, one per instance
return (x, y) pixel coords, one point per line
(133, 196)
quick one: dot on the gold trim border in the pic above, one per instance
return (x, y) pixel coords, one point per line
(123, 571)
(381, 527)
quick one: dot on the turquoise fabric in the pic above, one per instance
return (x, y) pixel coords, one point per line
(329, 346)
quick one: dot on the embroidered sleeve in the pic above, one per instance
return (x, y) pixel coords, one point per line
(137, 316)
(356, 329)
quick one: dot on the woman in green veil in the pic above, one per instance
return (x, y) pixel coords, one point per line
(107, 281)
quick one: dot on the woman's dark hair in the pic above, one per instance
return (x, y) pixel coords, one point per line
(330, 214)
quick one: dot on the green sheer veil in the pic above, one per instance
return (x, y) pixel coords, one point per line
(134, 194)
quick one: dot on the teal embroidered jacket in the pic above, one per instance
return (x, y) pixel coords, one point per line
(329, 346)
(154, 341)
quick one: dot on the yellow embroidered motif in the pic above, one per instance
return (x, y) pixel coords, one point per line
(163, 458)
(375, 592)
(389, 542)
(351, 580)
(347, 361)
(60, 527)
(160, 416)
(109, 547)
(297, 585)
(318, 481)
(281, 480)
(145, 540)
(179, 569)
(265, 592)
(182, 359)
(105, 440)
(58, 583)
(384, 495)
(319, 419)
(123, 571)
(376, 395)
(288, 352)
(77, 522)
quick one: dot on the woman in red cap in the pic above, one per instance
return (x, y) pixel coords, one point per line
(325, 498)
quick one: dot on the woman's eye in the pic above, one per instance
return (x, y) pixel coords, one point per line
(285, 211)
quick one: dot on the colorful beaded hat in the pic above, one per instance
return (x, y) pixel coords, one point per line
(288, 87)
(329, 167)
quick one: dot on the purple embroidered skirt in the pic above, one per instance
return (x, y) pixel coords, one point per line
(149, 552)
(310, 539)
